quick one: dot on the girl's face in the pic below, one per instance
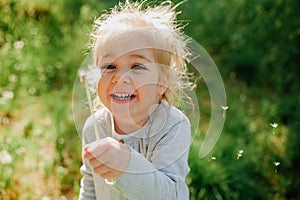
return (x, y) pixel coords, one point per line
(129, 85)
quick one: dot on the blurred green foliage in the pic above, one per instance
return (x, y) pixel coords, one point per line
(255, 44)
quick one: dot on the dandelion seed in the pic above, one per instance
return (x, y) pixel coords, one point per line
(276, 164)
(274, 125)
(5, 157)
(213, 158)
(239, 154)
(224, 108)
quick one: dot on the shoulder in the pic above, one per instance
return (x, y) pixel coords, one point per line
(171, 134)
(174, 115)
(100, 117)
(168, 119)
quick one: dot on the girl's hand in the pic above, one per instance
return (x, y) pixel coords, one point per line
(108, 157)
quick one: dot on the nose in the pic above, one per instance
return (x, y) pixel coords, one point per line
(121, 76)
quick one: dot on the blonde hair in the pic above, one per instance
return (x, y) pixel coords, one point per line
(167, 33)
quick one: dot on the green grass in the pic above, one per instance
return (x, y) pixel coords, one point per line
(42, 46)
(44, 146)
(39, 134)
(242, 164)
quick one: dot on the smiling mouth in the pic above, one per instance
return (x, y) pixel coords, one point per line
(122, 97)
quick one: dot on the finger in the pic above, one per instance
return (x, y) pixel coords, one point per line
(99, 167)
(99, 147)
(108, 157)
(110, 174)
(97, 152)
(95, 162)
(93, 145)
(102, 170)
(87, 154)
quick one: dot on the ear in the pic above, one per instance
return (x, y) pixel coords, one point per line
(162, 85)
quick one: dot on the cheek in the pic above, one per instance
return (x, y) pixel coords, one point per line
(150, 91)
(102, 94)
(103, 81)
(101, 86)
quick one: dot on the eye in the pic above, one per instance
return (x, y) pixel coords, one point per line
(138, 67)
(107, 68)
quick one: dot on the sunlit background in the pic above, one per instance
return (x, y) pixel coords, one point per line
(255, 44)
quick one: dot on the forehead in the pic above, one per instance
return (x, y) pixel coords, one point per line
(124, 43)
(146, 55)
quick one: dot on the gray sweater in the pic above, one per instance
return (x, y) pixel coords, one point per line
(159, 158)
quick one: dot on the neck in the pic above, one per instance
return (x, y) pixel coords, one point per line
(127, 127)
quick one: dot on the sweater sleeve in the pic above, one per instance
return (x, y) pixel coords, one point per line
(87, 190)
(164, 176)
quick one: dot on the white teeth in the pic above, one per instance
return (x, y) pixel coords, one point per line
(122, 96)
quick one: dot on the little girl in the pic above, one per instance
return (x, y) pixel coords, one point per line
(144, 140)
